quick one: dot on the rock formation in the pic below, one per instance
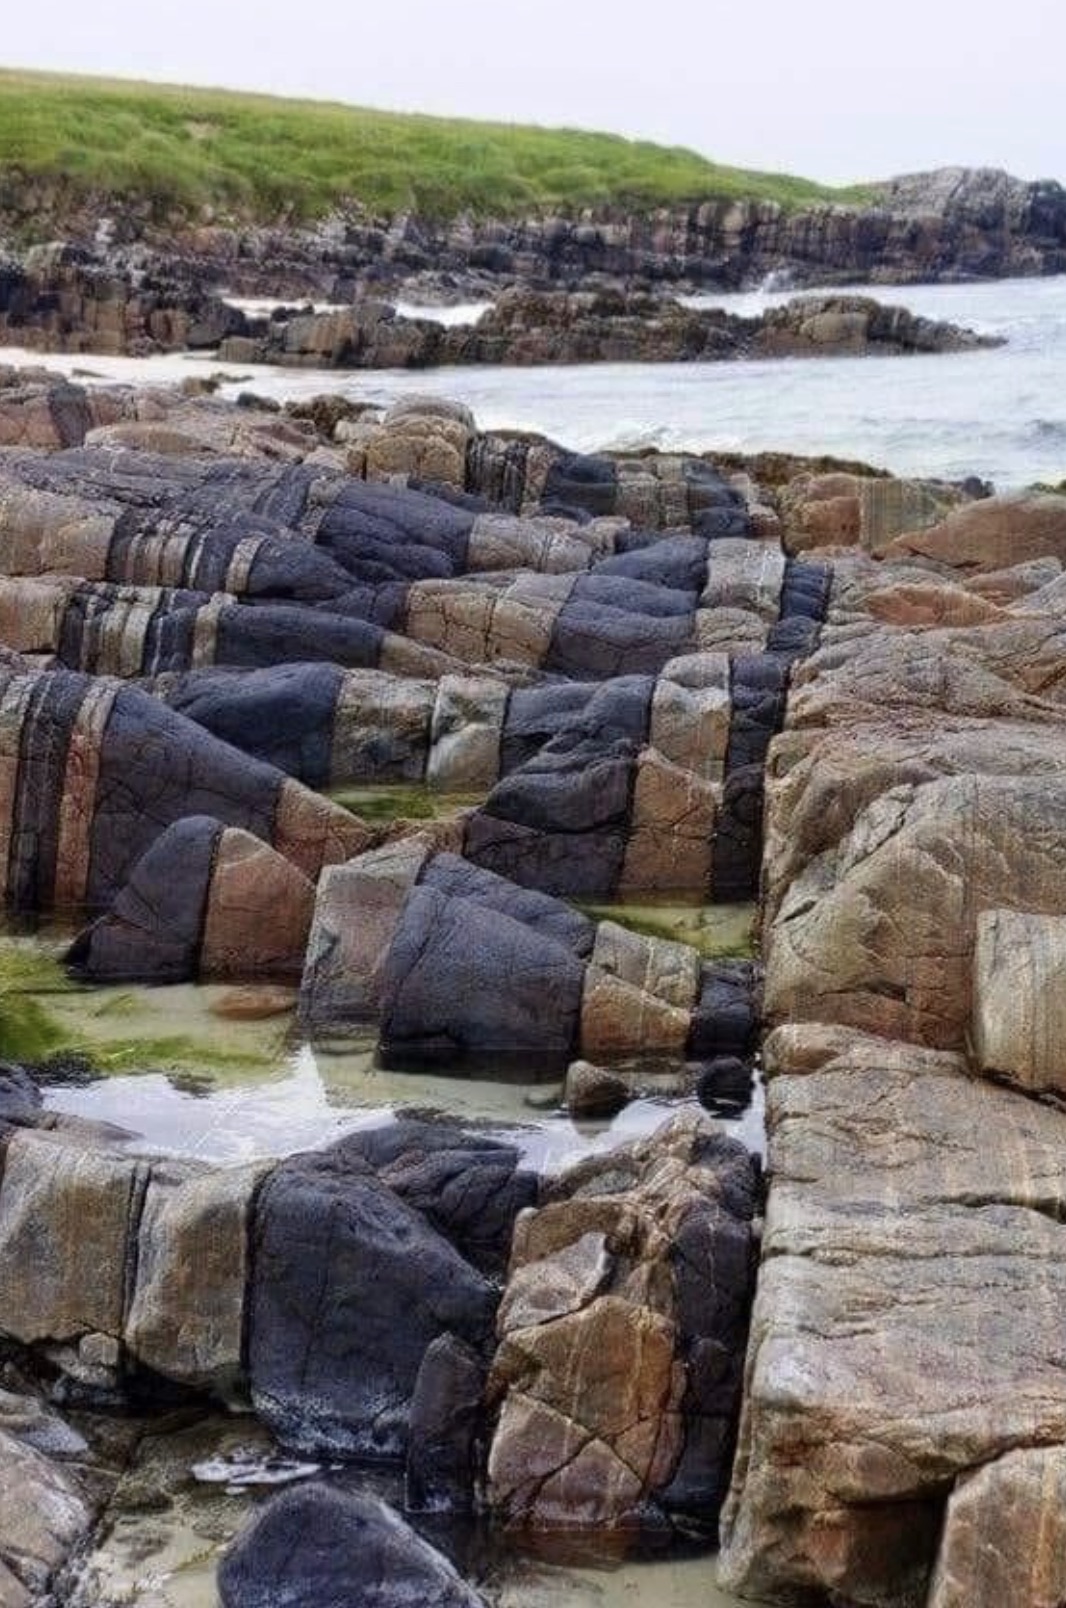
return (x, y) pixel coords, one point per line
(837, 692)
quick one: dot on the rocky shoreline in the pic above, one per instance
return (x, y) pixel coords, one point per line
(58, 302)
(831, 691)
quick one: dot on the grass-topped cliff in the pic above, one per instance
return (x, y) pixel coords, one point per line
(264, 158)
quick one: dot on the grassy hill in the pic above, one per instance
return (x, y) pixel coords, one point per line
(263, 157)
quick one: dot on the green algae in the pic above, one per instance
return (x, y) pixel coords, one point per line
(44, 1012)
(719, 932)
(382, 802)
(30, 980)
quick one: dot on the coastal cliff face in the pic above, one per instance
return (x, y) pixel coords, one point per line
(953, 224)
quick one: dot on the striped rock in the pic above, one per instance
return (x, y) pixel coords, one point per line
(91, 772)
(453, 963)
(205, 902)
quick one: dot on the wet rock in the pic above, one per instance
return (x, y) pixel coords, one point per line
(447, 1429)
(319, 1548)
(594, 1091)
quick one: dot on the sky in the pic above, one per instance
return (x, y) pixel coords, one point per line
(838, 92)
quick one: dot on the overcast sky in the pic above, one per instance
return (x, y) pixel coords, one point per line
(834, 90)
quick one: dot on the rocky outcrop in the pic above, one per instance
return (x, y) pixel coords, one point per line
(456, 964)
(906, 1323)
(68, 299)
(91, 773)
(206, 901)
(531, 327)
(952, 224)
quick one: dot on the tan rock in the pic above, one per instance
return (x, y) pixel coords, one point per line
(744, 575)
(356, 914)
(671, 829)
(992, 533)
(504, 542)
(907, 1325)
(1019, 998)
(593, 1092)
(879, 933)
(65, 1250)
(312, 831)
(690, 713)
(618, 1019)
(187, 1308)
(465, 735)
(44, 1516)
(381, 728)
(658, 966)
(1004, 1539)
(258, 912)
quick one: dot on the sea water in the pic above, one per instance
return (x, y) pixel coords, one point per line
(999, 414)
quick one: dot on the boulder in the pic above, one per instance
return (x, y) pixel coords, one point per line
(879, 932)
(314, 1547)
(207, 902)
(350, 1286)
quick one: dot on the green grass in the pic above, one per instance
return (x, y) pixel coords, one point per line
(183, 151)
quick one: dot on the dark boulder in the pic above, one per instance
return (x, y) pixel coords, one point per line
(314, 1547)
(350, 1286)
